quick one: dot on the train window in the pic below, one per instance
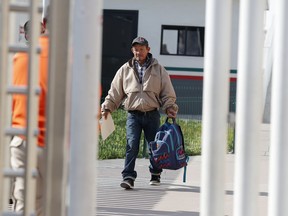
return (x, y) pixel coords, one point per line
(182, 40)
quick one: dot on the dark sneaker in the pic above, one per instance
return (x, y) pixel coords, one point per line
(127, 184)
(155, 180)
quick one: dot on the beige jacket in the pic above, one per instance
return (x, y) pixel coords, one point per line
(156, 90)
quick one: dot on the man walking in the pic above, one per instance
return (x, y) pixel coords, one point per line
(143, 86)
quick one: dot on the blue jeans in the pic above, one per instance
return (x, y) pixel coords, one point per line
(136, 122)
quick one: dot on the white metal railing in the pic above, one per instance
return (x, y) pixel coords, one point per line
(215, 110)
(32, 108)
(4, 183)
(56, 115)
(249, 114)
(86, 66)
(249, 106)
(215, 105)
(278, 178)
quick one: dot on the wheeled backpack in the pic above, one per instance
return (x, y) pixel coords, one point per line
(167, 151)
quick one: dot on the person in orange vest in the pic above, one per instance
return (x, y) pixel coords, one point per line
(27, 29)
(19, 118)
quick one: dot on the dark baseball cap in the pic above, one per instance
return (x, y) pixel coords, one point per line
(139, 40)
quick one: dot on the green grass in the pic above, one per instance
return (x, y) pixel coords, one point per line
(115, 145)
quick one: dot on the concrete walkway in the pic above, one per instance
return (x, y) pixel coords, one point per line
(172, 197)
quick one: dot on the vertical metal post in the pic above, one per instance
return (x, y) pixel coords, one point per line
(86, 64)
(32, 112)
(4, 38)
(278, 176)
(215, 105)
(45, 4)
(57, 147)
(249, 106)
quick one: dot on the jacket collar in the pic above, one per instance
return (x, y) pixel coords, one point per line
(150, 60)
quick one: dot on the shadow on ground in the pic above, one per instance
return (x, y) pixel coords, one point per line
(137, 212)
(114, 201)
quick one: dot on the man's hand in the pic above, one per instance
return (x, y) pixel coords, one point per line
(104, 113)
(171, 112)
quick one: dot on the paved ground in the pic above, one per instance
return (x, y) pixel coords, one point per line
(172, 197)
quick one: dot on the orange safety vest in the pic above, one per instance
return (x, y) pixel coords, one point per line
(20, 78)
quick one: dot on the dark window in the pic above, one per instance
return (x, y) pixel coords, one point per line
(182, 40)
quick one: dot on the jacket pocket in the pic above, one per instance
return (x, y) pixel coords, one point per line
(153, 84)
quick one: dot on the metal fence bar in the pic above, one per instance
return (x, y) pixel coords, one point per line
(215, 105)
(278, 176)
(32, 113)
(249, 106)
(57, 137)
(4, 152)
(85, 107)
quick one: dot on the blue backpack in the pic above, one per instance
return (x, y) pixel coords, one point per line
(167, 151)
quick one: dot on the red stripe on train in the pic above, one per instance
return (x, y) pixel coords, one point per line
(185, 77)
